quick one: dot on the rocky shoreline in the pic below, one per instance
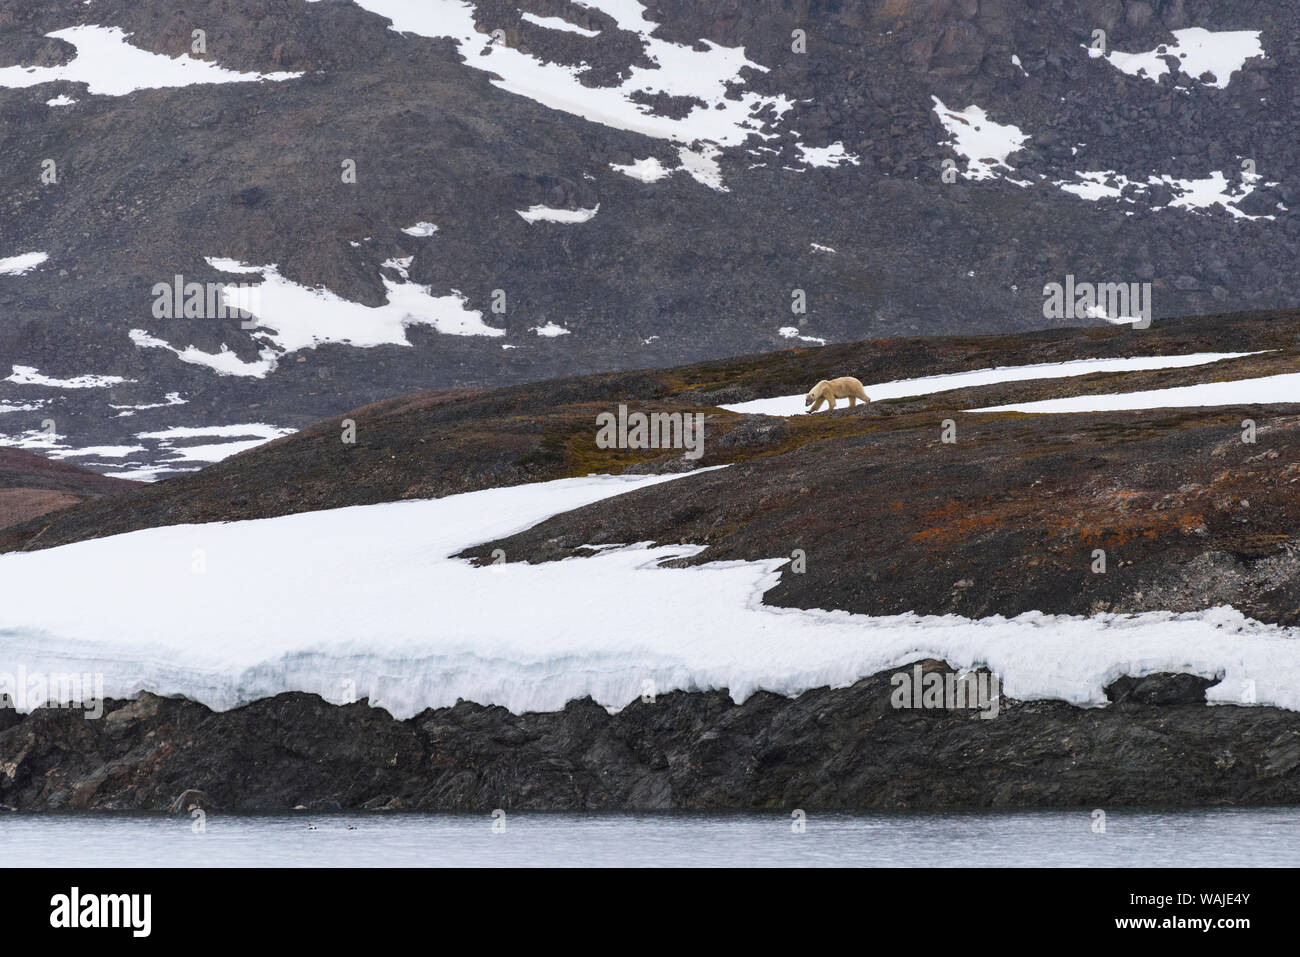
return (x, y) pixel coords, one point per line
(1155, 743)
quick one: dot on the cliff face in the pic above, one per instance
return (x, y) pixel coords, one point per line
(1157, 743)
(807, 170)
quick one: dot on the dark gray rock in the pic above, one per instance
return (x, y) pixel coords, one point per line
(755, 430)
(1158, 690)
(847, 748)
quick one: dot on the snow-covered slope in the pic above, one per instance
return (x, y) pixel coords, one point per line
(366, 601)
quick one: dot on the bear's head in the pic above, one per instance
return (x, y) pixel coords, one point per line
(816, 392)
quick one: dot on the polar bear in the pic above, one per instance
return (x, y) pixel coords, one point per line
(845, 387)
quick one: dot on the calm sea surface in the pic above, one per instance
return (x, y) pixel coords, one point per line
(1254, 837)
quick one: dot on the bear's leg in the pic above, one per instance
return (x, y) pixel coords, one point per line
(832, 408)
(853, 401)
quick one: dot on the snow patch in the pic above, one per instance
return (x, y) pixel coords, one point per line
(555, 23)
(680, 70)
(984, 145)
(223, 362)
(1263, 390)
(1198, 51)
(648, 170)
(1191, 194)
(928, 385)
(110, 66)
(549, 214)
(22, 264)
(27, 375)
(792, 332)
(828, 156)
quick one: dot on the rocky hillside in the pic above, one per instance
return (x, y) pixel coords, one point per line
(890, 518)
(474, 194)
(31, 485)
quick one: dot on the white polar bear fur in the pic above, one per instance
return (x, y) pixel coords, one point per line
(827, 391)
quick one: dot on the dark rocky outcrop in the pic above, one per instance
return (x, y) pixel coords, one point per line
(827, 749)
(1158, 689)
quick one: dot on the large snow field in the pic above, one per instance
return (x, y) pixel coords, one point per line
(367, 601)
(927, 385)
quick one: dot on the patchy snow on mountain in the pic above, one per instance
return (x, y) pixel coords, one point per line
(702, 166)
(1198, 51)
(400, 265)
(290, 316)
(168, 450)
(701, 71)
(928, 385)
(555, 23)
(420, 230)
(1213, 190)
(97, 451)
(1095, 185)
(548, 214)
(984, 145)
(27, 375)
(110, 66)
(1266, 389)
(34, 440)
(1216, 189)
(550, 331)
(170, 399)
(792, 332)
(223, 362)
(367, 601)
(249, 436)
(21, 264)
(648, 170)
(140, 472)
(299, 318)
(828, 156)
(24, 407)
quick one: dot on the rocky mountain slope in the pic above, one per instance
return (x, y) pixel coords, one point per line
(453, 194)
(31, 485)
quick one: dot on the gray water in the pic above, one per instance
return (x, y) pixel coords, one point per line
(1230, 837)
